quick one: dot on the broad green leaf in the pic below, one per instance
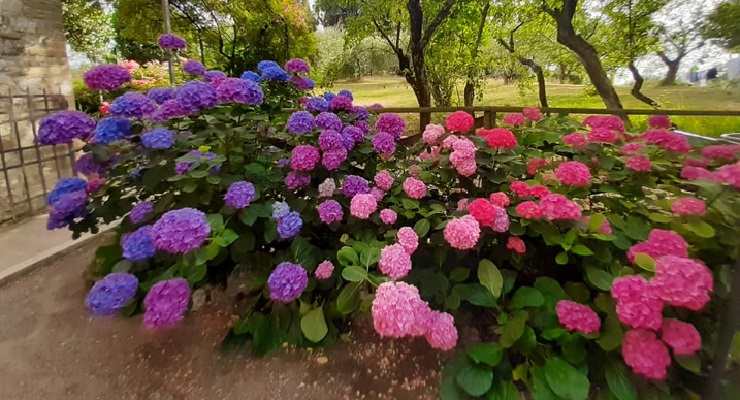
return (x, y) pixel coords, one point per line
(459, 274)
(475, 380)
(122, 266)
(474, 293)
(194, 273)
(490, 277)
(527, 297)
(369, 256)
(700, 228)
(226, 238)
(486, 353)
(504, 390)
(513, 329)
(595, 222)
(540, 389)
(348, 256)
(561, 258)
(581, 250)
(216, 221)
(644, 261)
(611, 334)
(619, 382)
(735, 348)
(313, 325)
(422, 227)
(448, 388)
(354, 273)
(599, 278)
(349, 298)
(689, 363)
(566, 381)
(207, 252)
(657, 217)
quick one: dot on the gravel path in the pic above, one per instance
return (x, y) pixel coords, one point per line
(50, 348)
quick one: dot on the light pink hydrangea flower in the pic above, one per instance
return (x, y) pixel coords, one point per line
(660, 243)
(682, 282)
(532, 113)
(573, 173)
(577, 317)
(500, 199)
(377, 193)
(441, 332)
(384, 180)
(689, 206)
(398, 310)
(645, 354)
(463, 204)
(394, 261)
(637, 305)
(556, 207)
(327, 187)
(363, 205)
(514, 119)
(414, 188)
(682, 337)
(324, 270)
(462, 233)
(408, 238)
(432, 133)
(388, 216)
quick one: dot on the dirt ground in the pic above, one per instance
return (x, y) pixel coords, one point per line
(51, 348)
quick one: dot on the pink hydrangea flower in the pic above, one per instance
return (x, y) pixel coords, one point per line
(529, 210)
(645, 354)
(363, 205)
(516, 244)
(324, 270)
(483, 211)
(573, 173)
(499, 138)
(414, 188)
(432, 133)
(398, 310)
(575, 140)
(465, 167)
(441, 332)
(659, 121)
(514, 119)
(660, 243)
(682, 282)
(577, 317)
(728, 174)
(604, 121)
(602, 135)
(532, 113)
(534, 164)
(631, 148)
(638, 163)
(558, 207)
(499, 199)
(689, 206)
(304, 157)
(463, 204)
(462, 157)
(388, 216)
(377, 193)
(501, 221)
(394, 261)
(408, 238)
(449, 141)
(460, 122)
(384, 180)
(462, 233)
(682, 337)
(327, 188)
(667, 140)
(637, 305)
(520, 189)
(430, 155)
(691, 173)
(539, 191)
(722, 152)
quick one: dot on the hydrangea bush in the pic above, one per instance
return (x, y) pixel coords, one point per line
(584, 260)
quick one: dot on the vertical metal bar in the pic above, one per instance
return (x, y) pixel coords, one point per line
(167, 30)
(4, 163)
(32, 120)
(21, 157)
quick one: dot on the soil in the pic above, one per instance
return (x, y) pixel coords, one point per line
(51, 348)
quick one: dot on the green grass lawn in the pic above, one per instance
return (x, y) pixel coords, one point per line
(394, 92)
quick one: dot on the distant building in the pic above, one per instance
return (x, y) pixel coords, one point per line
(733, 69)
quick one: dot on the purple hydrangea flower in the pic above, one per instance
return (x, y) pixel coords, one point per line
(66, 186)
(330, 211)
(195, 96)
(327, 120)
(384, 143)
(297, 66)
(141, 211)
(333, 159)
(304, 157)
(112, 129)
(237, 90)
(214, 77)
(66, 208)
(346, 93)
(317, 104)
(86, 165)
(329, 95)
(182, 167)
(110, 294)
(296, 180)
(251, 76)
(289, 225)
(166, 303)
(181, 231)
(158, 139)
(364, 126)
(169, 41)
(274, 74)
(61, 127)
(300, 122)
(340, 103)
(132, 105)
(194, 67)
(280, 209)
(348, 142)
(391, 123)
(168, 110)
(354, 185)
(264, 64)
(161, 94)
(138, 245)
(240, 194)
(330, 139)
(354, 133)
(360, 113)
(302, 83)
(106, 77)
(287, 282)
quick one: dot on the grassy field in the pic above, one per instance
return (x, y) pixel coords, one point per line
(393, 91)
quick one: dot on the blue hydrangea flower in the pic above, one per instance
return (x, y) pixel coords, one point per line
(346, 93)
(140, 211)
(110, 294)
(289, 225)
(195, 96)
(112, 129)
(300, 122)
(86, 165)
(237, 90)
(132, 105)
(63, 126)
(251, 76)
(280, 209)
(287, 282)
(138, 245)
(316, 104)
(274, 74)
(158, 139)
(66, 208)
(194, 67)
(329, 95)
(327, 120)
(161, 94)
(240, 194)
(264, 64)
(66, 186)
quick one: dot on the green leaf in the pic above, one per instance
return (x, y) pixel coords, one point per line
(490, 277)
(527, 297)
(486, 353)
(313, 325)
(657, 217)
(369, 256)
(566, 381)
(348, 256)
(504, 390)
(459, 274)
(689, 363)
(207, 253)
(700, 228)
(561, 258)
(619, 382)
(599, 278)
(581, 250)
(540, 389)
(513, 330)
(122, 266)
(354, 273)
(194, 273)
(474, 293)
(595, 222)
(475, 380)
(226, 238)
(349, 298)
(216, 221)
(422, 227)
(611, 334)
(644, 261)
(448, 389)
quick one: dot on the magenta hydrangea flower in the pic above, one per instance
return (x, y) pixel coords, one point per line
(408, 238)
(384, 144)
(637, 304)
(388, 216)
(297, 66)
(689, 206)
(414, 188)
(577, 317)
(398, 310)
(573, 173)
(394, 261)
(514, 119)
(682, 282)
(682, 337)
(721, 152)
(602, 135)
(378, 193)
(327, 120)
(391, 123)
(166, 303)
(240, 194)
(659, 121)
(645, 354)
(169, 41)
(340, 103)
(529, 210)
(631, 148)
(287, 282)
(575, 140)
(64, 126)
(330, 139)
(638, 163)
(296, 180)
(330, 211)
(166, 111)
(462, 233)
(304, 158)
(333, 159)
(110, 294)
(501, 220)
(237, 90)
(353, 185)
(362, 206)
(604, 121)
(181, 231)
(441, 333)
(556, 207)
(532, 113)
(660, 242)
(667, 140)
(324, 270)
(194, 67)
(728, 174)
(384, 180)
(106, 77)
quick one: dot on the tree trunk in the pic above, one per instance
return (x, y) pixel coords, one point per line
(563, 70)
(637, 86)
(469, 90)
(419, 83)
(670, 76)
(469, 93)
